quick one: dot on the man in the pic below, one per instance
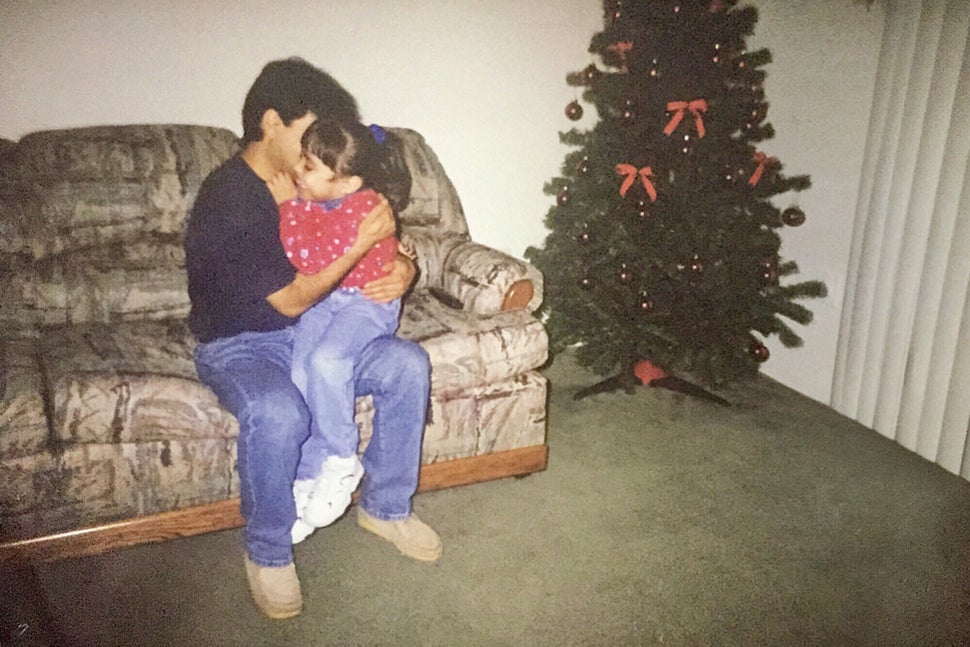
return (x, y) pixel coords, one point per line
(245, 298)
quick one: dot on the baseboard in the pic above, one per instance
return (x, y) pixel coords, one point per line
(225, 514)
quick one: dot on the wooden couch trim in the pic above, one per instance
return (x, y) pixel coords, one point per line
(225, 514)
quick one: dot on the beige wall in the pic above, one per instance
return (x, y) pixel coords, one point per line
(820, 85)
(483, 81)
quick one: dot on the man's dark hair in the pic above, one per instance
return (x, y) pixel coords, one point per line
(352, 149)
(293, 87)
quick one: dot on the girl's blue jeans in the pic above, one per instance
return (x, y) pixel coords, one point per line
(327, 344)
(251, 375)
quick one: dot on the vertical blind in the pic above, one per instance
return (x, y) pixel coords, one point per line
(903, 358)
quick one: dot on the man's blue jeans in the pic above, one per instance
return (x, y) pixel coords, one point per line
(250, 374)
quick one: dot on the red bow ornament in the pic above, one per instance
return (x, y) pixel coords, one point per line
(621, 48)
(631, 172)
(762, 161)
(679, 108)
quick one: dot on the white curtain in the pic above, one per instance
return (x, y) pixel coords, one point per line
(903, 360)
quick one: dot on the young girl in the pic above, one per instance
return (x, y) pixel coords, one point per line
(346, 167)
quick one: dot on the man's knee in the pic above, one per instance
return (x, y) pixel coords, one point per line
(407, 358)
(281, 412)
(391, 361)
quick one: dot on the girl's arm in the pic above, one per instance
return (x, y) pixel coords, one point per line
(306, 289)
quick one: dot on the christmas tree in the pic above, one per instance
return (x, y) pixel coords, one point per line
(664, 240)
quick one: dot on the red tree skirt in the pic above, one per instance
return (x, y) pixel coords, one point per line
(647, 373)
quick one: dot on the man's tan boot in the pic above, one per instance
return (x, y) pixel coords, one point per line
(411, 536)
(275, 589)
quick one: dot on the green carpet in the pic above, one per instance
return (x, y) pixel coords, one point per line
(662, 520)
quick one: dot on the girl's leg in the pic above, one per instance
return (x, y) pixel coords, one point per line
(354, 323)
(307, 335)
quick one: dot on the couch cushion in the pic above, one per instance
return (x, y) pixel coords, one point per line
(136, 381)
(77, 188)
(138, 280)
(434, 201)
(509, 414)
(468, 349)
(129, 382)
(23, 423)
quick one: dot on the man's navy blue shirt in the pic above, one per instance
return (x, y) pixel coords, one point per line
(233, 255)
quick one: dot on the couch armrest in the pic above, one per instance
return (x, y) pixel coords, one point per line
(487, 281)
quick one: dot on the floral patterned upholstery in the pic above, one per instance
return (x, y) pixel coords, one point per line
(102, 416)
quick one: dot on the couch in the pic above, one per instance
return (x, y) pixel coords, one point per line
(108, 439)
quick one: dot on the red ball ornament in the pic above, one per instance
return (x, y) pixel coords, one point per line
(688, 145)
(614, 11)
(591, 73)
(574, 111)
(769, 276)
(583, 237)
(583, 167)
(643, 209)
(563, 197)
(625, 274)
(696, 267)
(628, 112)
(759, 352)
(793, 216)
(759, 112)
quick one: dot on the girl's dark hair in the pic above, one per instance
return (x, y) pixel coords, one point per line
(352, 149)
(293, 87)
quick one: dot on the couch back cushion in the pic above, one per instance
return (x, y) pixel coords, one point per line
(92, 219)
(83, 188)
(434, 202)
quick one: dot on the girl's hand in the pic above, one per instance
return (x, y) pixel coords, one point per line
(376, 225)
(282, 187)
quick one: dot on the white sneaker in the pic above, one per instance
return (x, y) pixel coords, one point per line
(301, 495)
(300, 531)
(332, 490)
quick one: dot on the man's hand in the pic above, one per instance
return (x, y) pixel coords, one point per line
(397, 281)
(282, 187)
(375, 227)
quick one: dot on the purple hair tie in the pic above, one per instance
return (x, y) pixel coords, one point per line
(379, 133)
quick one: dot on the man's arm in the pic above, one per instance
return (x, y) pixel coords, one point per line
(306, 289)
(400, 275)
